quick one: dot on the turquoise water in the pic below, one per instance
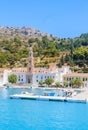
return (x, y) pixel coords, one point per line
(17, 114)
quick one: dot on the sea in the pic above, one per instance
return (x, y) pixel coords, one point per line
(20, 114)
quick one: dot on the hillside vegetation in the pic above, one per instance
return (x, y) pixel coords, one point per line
(73, 52)
(47, 48)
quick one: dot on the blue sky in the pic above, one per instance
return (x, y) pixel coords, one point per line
(63, 18)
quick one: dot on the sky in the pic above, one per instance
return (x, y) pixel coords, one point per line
(62, 18)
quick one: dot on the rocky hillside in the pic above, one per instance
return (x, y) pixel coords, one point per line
(24, 32)
(15, 42)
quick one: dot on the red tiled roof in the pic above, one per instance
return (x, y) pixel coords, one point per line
(43, 70)
(4, 69)
(77, 75)
(19, 70)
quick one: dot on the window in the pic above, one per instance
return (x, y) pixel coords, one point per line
(67, 79)
(83, 79)
(29, 61)
(29, 69)
(37, 76)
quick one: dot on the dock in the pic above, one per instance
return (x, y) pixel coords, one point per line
(49, 98)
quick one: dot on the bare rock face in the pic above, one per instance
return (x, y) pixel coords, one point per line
(11, 32)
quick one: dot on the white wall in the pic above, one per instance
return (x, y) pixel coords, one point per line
(5, 76)
(37, 77)
(22, 78)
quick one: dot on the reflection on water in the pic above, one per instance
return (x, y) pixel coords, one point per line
(39, 91)
(4, 93)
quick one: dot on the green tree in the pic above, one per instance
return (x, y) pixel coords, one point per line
(12, 78)
(41, 82)
(72, 82)
(62, 60)
(78, 82)
(65, 83)
(49, 81)
(57, 84)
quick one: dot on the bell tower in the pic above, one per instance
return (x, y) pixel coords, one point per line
(30, 66)
(30, 61)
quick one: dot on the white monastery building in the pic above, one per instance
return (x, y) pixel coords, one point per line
(32, 75)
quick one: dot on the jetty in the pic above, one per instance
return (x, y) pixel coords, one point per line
(76, 98)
